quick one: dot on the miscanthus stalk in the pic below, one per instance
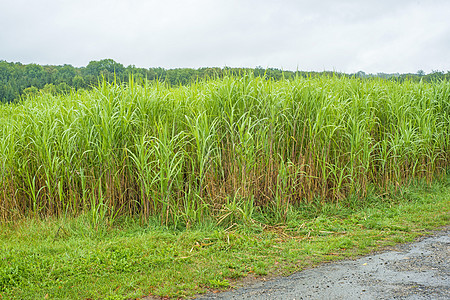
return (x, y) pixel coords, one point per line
(218, 147)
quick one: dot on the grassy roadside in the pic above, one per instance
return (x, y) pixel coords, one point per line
(67, 259)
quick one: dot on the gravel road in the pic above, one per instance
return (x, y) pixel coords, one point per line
(419, 270)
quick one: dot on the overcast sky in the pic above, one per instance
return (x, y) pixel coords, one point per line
(346, 36)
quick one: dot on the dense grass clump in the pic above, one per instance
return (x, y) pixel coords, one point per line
(219, 147)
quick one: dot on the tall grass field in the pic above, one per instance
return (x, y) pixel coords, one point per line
(220, 148)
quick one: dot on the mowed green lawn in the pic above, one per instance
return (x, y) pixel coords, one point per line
(71, 259)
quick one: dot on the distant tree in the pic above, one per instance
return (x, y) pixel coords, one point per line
(62, 88)
(259, 71)
(420, 72)
(35, 75)
(50, 88)
(17, 79)
(78, 82)
(65, 74)
(106, 68)
(435, 75)
(361, 74)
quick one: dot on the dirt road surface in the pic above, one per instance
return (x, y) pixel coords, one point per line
(419, 270)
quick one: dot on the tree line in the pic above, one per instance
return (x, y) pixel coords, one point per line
(17, 79)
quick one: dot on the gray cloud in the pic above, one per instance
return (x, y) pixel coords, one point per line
(374, 36)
